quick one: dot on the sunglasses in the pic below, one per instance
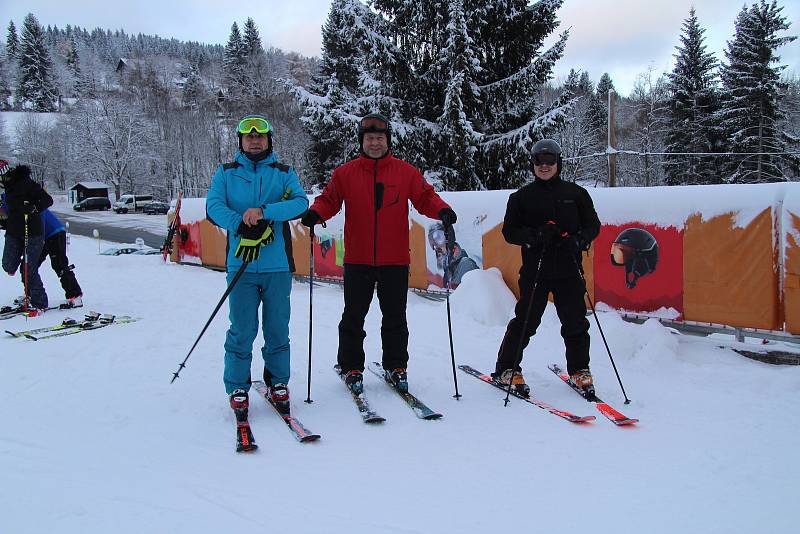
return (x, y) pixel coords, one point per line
(372, 124)
(545, 159)
(258, 124)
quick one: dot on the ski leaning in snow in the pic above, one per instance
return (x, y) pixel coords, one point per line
(368, 415)
(9, 312)
(613, 415)
(166, 248)
(91, 317)
(419, 408)
(555, 411)
(102, 322)
(301, 433)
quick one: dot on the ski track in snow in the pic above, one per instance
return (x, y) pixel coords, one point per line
(94, 438)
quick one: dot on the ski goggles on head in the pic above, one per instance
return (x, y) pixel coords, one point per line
(545, 159)
(620, 253)
(247, 125)
(373, 124)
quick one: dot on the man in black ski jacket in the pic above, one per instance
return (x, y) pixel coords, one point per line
(25, 201)
(553, 221)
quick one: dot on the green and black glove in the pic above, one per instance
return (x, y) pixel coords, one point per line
(252, 239)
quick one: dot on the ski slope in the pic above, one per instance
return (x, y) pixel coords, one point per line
(95, 439)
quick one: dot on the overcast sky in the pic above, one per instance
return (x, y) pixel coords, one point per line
(621, 37)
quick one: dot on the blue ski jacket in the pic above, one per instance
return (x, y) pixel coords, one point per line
(266, 184)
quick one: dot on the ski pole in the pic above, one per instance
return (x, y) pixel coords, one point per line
(450, 236)
(524, 325)
(310, 309)
(602, 335)
(213, 314)
(25, 266)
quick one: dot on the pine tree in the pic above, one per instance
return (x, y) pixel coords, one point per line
(35, 86)
(12, 42)
(234, 62)
(5, 89)
(691, 125)
(751, 96)
(252, 39)
(458, 79)
(596, 125)
(73, 65)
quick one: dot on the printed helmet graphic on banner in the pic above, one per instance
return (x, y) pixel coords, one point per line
(637, 250)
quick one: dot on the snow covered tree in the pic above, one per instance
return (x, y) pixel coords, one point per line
(596, 124)
(5, 88)
(459, 80)
(649, 100)
(73, 66)
(35, 88)
(12, 41)
(252, 39)
(234, 62)
(691, 124)
(751, 96)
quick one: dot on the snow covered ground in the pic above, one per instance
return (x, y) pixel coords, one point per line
(94, 438)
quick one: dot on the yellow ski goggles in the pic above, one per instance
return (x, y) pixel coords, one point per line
(260, 125)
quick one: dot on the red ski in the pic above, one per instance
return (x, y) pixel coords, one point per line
(610, 413)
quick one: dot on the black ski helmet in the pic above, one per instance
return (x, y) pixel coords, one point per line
(269, 133)
(365, 126)
(547, 146)
(637, 250)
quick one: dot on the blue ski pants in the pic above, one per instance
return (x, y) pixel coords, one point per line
(271, 292)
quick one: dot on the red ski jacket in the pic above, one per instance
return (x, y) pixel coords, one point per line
(375, 193)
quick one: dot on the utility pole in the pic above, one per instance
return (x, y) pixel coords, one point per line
(611, 150)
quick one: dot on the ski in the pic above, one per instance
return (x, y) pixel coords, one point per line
(419, 407)
(166, 248)
(368, 415)
(67, 323)
(555, 411)
(301, 433)
(104, 321)
(610, 413)
(9, 312)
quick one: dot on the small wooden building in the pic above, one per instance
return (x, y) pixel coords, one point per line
(83, 190)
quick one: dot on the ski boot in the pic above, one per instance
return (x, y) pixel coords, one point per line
(582, 380)
(355, 381)
(397, 378)
(516, 380)
(73, 302)
(279, 397)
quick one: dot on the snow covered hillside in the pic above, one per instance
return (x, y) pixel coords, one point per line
(94, 438)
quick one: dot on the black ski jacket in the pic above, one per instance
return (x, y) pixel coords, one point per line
(20, 188)
(533, 205)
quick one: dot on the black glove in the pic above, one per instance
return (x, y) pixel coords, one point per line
(448, 216)
(548, 234)
(29, 208)
(252, 232)
(310, 218)
(581, 243)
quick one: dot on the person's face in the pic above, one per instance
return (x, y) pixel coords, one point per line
(375, 145)
(545, 166)
(254, 142)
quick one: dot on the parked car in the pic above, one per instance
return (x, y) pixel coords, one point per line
(156, 207)
(128, 203)
(92, 203)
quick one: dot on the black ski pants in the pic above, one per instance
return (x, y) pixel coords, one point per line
(359, 286)
(55, 246)
(571, 309)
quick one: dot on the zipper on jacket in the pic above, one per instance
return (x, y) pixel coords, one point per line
(375, 204)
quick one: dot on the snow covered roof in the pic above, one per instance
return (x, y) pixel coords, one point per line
(91, 185)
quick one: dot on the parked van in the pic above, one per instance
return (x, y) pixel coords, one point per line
(131, 203)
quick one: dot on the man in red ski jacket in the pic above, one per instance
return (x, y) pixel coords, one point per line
(375, 189)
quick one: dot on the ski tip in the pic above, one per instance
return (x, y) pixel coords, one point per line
(247, 448)
(433, 417)
(375, 420)
(310, 438)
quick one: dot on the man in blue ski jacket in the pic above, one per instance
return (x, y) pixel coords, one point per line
(253, 198)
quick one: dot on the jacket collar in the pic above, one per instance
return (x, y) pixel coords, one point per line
(369, 163)
(248, 163)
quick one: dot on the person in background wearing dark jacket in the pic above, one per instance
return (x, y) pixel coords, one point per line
(553, 221)
(55, 246)
(25, 201)
(375, 189)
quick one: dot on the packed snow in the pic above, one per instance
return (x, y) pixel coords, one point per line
(96, 439)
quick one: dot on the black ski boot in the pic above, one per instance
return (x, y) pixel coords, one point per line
(398, 378)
